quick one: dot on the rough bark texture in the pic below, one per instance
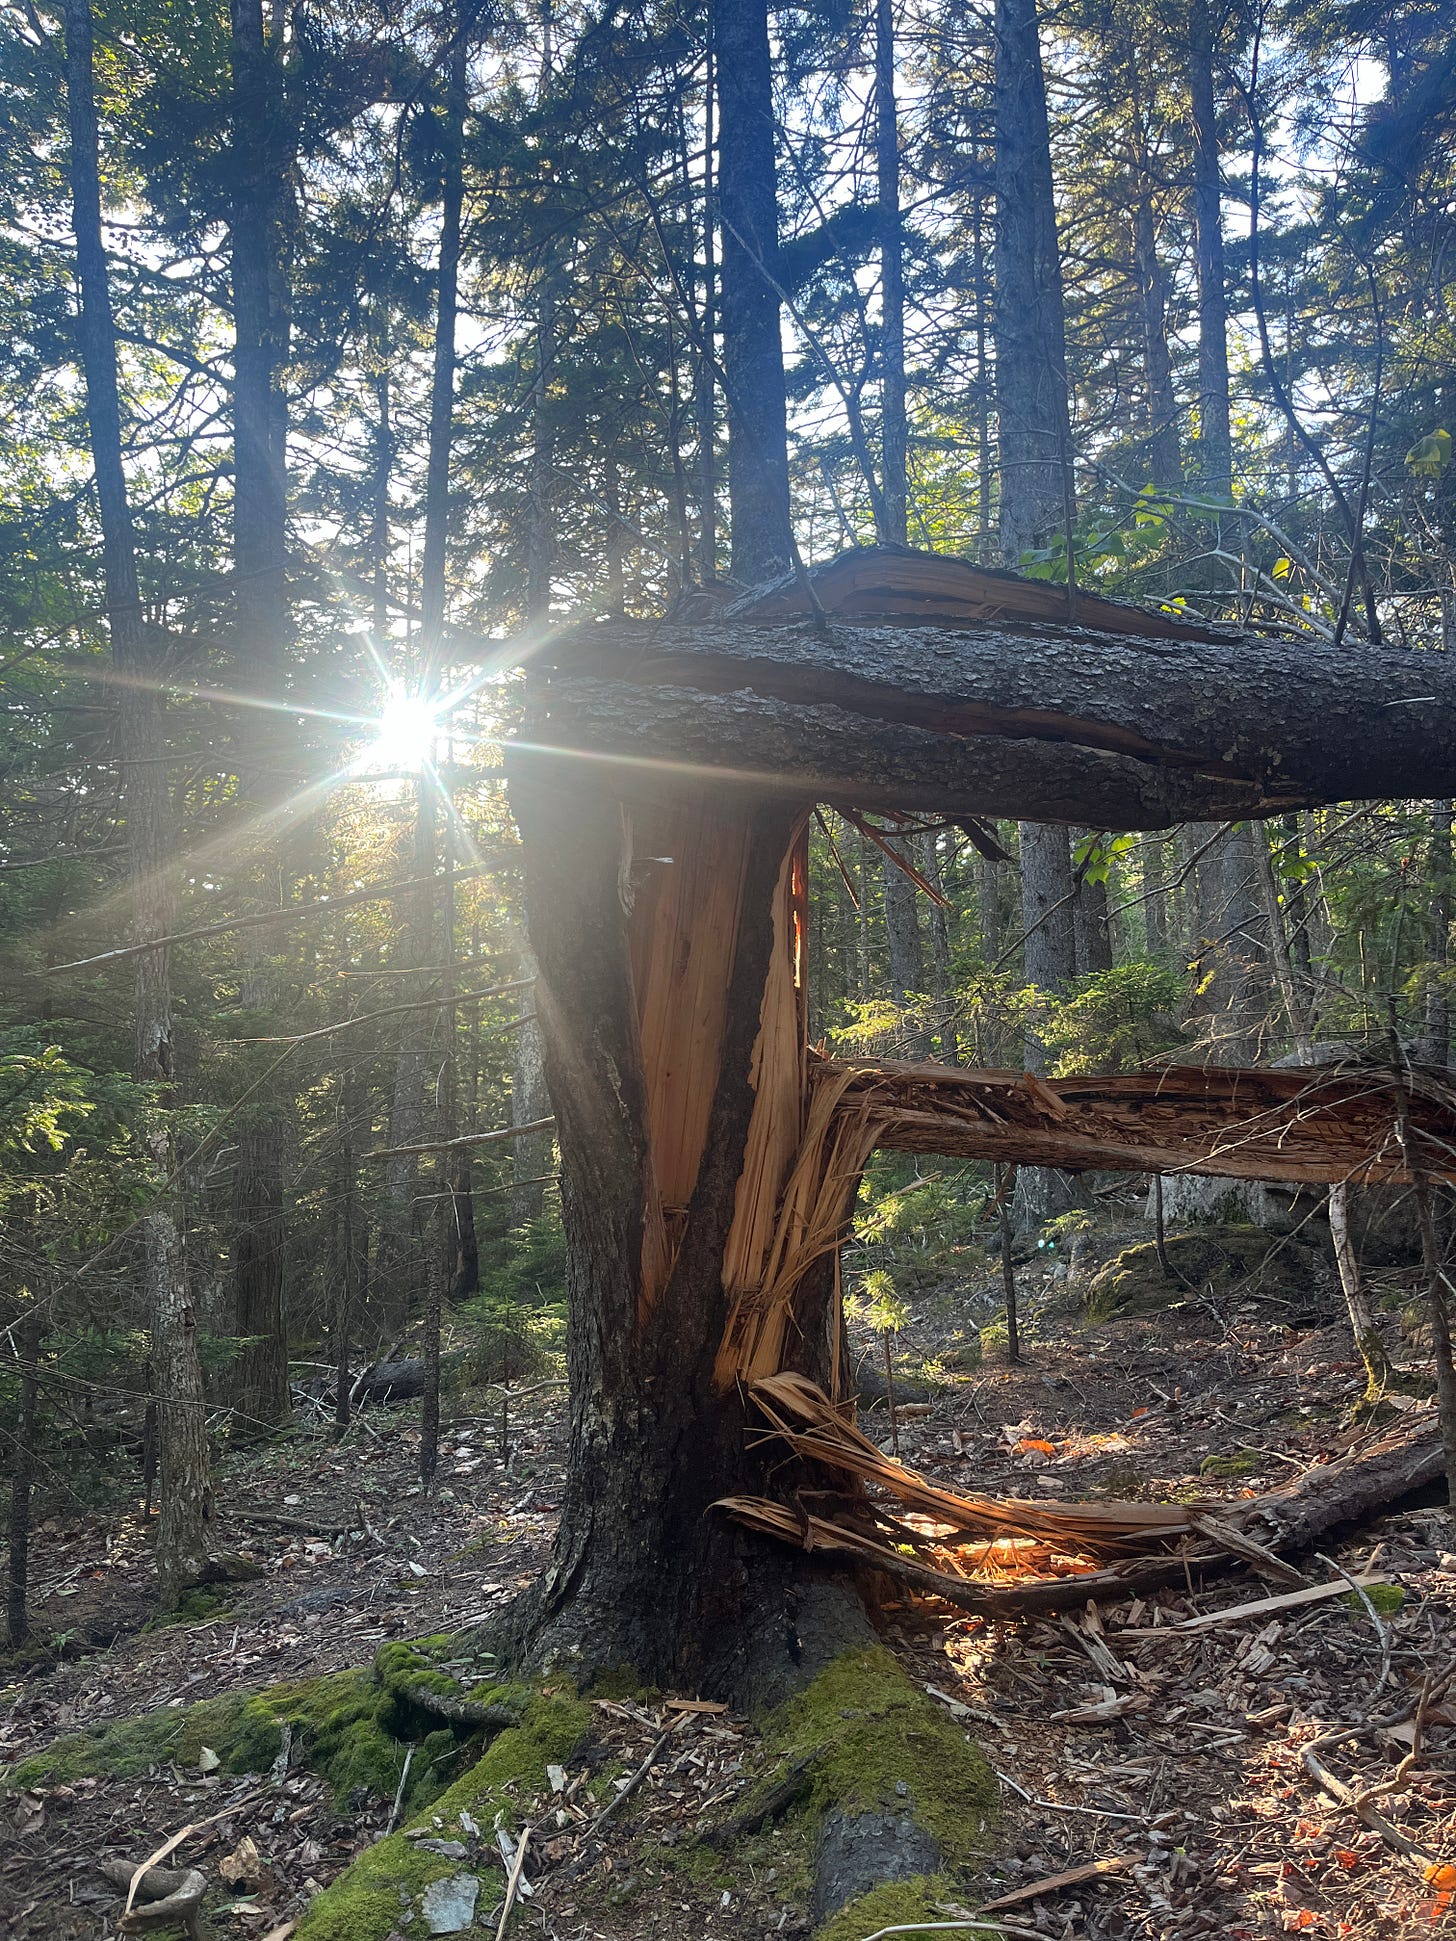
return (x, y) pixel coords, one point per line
(641, 1575)
(261, 182)
(181, 1423)
(1215, 462)
(22, 1476)
(894, 434)
(1332, 724)
(753, 365)
(1031, 352)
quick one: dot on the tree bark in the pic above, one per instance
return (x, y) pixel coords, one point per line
(1048, 894)
(753, 364)
(1123, 733)
(530, 1102)
(1030, 333)
(1215, 448)
(186, 1494)
(1438, 1001)
(22, 1476)
(642, 1574)
(895, 430)
(259, 222)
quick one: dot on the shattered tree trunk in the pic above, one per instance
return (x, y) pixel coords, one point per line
(651, 985)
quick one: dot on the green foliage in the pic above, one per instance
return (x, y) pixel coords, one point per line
(1114, 1021)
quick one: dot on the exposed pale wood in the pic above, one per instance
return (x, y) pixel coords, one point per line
(1114, 1863)
(1378, 1472)
(1317, 1125)
(1257, 1607)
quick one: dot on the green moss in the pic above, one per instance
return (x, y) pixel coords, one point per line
(126, 1747)
(1211, 1259)
(193, 1607)
(894, 1903)
(367, 1900)
(1386, 1599)
(870, 1731)
(1241, 1463)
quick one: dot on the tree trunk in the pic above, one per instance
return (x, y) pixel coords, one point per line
(1215, 448)
(1048, 894)
(643, 1572)
(261, 176)
(1368, 1343)
(705, 413)
(1164, 460)
(186, 1494)
(753, 364)
(895, 434)
(1031, 352)
(1438, 1002)
(1093, 929)
(531, 1156)
(22, 1475)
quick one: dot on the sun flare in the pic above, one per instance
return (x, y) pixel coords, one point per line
(403, 738)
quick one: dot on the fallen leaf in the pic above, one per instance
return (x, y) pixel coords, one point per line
(244, 1863)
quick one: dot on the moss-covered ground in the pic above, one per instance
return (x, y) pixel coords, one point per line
(352, 1727)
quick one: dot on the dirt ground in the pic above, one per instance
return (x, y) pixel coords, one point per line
(1185, 1762)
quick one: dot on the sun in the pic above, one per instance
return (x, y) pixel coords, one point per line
(404, 737)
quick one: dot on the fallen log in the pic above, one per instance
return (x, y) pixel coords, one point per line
(1168, 1542)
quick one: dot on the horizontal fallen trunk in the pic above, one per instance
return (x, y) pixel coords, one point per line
(1077, 724)
(1157, 1544)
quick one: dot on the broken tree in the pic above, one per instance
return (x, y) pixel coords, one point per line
(664, 788)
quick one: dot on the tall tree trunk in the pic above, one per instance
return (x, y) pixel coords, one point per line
(1154, 855)
(895, 433)
(442, 1229)
(940, 966)
(261, 172)
(1215, 446)
(22, 1476)
(753, 363)
(1164, 460)
(1047, 896)
(906, 952)
(531, 1156)
(1031, 351)
(1035, 442)
(186, 1490)
(1091, 928)
(705, 414)
(1438, 1001)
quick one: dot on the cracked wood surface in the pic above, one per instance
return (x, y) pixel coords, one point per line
(1061, 723)
(1298, 1125)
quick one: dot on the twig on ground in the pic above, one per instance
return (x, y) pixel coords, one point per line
(514, 1882)
(1383, 1631)
(394, 1811)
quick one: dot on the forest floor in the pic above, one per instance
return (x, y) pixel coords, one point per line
(1193, 1798)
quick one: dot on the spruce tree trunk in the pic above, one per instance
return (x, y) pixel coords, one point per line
(185, 1482)
(1438, 1001)
(261, 167)
(22, 1477)
(895, 431)
(1215, 448)
(1031, 351)
(753, 365)
(1035, 438)
(1165, 463)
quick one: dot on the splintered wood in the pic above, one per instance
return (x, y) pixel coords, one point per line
(1006, 1558)
(1320, 1126)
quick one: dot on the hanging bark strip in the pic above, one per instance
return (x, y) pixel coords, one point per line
(1006, 1558)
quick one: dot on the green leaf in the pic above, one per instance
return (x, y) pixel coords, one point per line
(1430, 455)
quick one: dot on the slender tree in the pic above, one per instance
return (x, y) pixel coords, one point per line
(753, 364)
(185, 1484)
